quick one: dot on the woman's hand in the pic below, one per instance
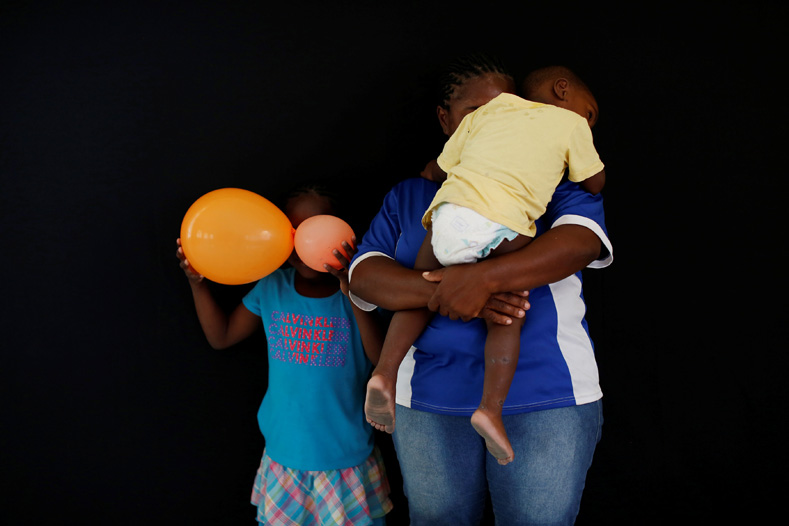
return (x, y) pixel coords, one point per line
(190, 272)
(461, 295)
(342, 273)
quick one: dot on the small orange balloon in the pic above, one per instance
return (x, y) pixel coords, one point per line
(234, 236)
(317, 237)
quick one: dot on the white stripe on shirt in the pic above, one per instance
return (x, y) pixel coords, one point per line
(574, 342)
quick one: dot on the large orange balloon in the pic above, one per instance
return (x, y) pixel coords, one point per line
(316, 237)
(234, 236)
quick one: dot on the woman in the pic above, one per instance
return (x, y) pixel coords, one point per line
(553, 413)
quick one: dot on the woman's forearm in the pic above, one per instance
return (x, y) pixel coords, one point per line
(463, 290)
(551, 257)
(387, 284)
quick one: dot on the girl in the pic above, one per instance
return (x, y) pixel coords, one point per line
(319, 466)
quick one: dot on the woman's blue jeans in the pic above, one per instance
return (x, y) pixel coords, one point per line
(447, 471)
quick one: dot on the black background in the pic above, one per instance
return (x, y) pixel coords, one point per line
(116, 116)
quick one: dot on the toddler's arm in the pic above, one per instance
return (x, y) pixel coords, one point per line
(594, 184)
(221, 331)
(433, 172)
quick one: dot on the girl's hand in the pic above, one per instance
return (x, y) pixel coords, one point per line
(191, 273)
(342, 273)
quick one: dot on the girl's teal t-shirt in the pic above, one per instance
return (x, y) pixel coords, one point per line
(312, 416)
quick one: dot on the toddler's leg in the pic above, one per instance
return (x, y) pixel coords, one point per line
(502, 348)
(404, 329)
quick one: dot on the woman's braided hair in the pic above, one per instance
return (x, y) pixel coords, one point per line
(465, 68)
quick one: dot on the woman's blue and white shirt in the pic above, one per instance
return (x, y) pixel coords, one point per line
(443, 371)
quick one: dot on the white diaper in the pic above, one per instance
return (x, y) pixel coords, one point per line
(461, 235)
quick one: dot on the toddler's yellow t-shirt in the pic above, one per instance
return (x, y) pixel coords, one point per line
(506, 158)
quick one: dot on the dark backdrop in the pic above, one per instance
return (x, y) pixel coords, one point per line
(116, 116)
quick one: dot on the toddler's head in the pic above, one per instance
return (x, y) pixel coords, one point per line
(559, 86)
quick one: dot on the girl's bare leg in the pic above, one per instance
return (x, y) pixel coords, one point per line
(404, 329)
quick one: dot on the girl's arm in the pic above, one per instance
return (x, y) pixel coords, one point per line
(371, 327)
(372, 332)
(221, 330)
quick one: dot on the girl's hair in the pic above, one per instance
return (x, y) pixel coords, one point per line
(465, 68)
(311, 188)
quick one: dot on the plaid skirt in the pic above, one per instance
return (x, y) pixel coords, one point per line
(343, 497)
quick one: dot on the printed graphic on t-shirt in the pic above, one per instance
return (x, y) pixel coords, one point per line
(310, 340)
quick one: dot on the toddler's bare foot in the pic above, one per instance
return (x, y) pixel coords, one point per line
(379, 406)
(491, 428)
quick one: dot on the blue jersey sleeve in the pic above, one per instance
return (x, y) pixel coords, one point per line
(571, 204)
(384, 229)
(394, 231)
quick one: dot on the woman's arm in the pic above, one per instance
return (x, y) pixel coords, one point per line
(384, 282)
(576, 240)
(463, 290)
(396, 232)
